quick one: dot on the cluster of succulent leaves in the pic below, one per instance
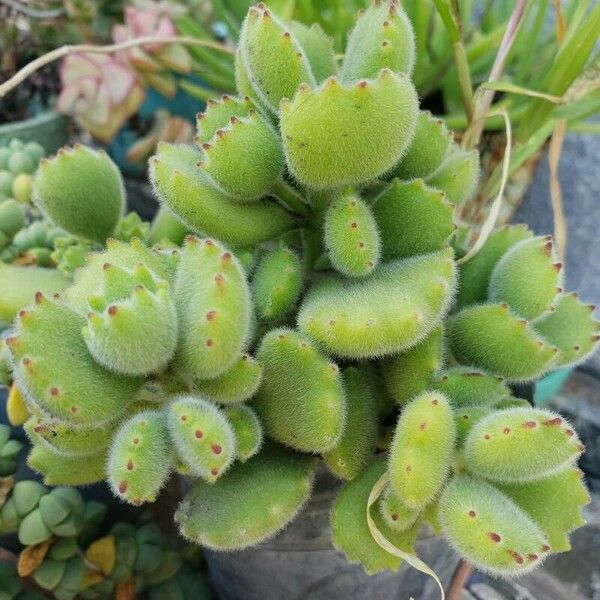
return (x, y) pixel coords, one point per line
(319, 298)
(66, 555)
(37, 254)
(18, 160)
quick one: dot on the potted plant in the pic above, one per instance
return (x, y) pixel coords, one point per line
(330, 317)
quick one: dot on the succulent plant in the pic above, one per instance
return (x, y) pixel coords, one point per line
(18, 161)
(99, 91)
(338, 196)
(65, 553)
(154, 63)
(102, 91)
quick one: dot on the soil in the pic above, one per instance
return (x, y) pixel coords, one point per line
(32, 96)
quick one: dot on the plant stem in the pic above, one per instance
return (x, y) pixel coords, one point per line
(450, 14)
(483, 106)
(521, 153)
(560, 224)
(412, 559)
(459, 579)
(490, 221)
(291, 198)
(464, 78)
(63, 51)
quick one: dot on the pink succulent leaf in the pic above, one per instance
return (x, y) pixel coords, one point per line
(76, 66)
(118, 115)
(99, 112)
(152, 21)
(165, 27)
(78, 97)
(141, 22)
(102, 59)
(119, 81)
(121, 33)
(88, 90)
(67, 99)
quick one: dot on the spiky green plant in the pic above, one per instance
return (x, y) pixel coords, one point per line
(338, 195)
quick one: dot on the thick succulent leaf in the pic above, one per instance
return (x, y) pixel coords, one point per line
(183, 187)
(382, 38)
(428, 148)
(465, 386)
(422, 449)
(340, 135)
(554, 504)
(491, 337)
(67, 389)
(357, 444)
(301, 399)
(351, 236)
(408, 373)
(140, 458)
(412, 219)
(318, 47)
(457, 176)
(474, 275)
(214, 309)
(250, 503)
(350, 531)
(203, 436)
(521, 444)
(356, 319)
(275, 62)
(62, 188)
(571, 327)
(527, 277)
(488, 529)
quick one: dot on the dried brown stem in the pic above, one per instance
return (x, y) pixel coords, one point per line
(482, 107)
(459, 579)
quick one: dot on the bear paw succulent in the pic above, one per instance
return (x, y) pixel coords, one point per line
(323, 314)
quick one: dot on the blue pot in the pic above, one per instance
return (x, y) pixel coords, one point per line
(547, 387)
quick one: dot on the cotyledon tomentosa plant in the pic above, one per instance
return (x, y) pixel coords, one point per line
(337, 194)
